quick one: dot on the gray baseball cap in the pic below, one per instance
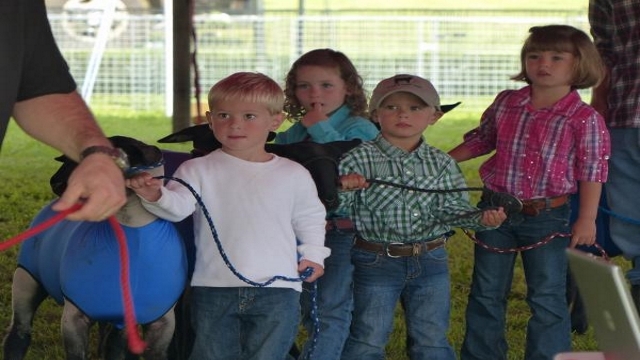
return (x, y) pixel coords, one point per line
(422, 88)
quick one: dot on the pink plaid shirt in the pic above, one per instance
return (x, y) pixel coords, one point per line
(543, 152)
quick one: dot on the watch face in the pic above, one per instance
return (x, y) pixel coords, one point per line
(117, 154)
(122, 160)
(122, 164)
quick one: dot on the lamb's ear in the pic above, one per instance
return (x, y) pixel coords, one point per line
(187, 134)
(446, 108)
(271, 137)
(58, 181)
(62, 158)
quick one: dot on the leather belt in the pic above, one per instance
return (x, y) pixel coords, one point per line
(530, 207)
(339, 224)
(395, 250)
(534, 206)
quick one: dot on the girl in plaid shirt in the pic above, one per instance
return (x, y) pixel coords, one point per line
(545, 142)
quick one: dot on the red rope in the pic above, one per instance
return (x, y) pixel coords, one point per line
(39, 228)
(527, 247)
(136, 345)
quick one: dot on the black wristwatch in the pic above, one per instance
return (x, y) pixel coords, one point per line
(118, 155)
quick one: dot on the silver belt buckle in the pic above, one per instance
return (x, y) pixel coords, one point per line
(386, 249)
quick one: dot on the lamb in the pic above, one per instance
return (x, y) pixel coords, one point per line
(77, 264)
(320, 159)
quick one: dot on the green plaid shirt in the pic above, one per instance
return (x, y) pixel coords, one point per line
(385, 213)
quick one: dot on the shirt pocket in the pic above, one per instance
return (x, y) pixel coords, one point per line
(402, 208)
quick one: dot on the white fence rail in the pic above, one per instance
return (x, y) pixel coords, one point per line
(469, 57)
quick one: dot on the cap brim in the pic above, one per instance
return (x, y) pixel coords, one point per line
(446, 108)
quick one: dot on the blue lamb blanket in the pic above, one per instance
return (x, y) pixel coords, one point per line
(80, 261)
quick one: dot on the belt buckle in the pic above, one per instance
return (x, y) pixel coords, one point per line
(386, 249)
(415, 251)
(530, 210)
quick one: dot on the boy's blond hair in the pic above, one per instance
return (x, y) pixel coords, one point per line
(589, 69)
(250, 87)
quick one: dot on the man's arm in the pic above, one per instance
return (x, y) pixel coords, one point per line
(64, 122)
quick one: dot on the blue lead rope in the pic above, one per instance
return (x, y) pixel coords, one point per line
(305, 274)
(619, 217)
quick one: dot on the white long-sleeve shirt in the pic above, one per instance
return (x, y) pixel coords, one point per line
(266, 214)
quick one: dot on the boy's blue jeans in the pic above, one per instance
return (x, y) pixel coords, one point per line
(255, 323)
(421, 283)
(545, 269)
(334, 299)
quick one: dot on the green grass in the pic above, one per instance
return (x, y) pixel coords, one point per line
(27, 165)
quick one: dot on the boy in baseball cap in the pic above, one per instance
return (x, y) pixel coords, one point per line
(399, 248)
(422, 88)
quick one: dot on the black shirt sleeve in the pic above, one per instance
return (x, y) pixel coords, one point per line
(31, 64)
(45, 70)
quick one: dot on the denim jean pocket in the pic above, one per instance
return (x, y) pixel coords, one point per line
(439, 254)
(561, 214)
(361, 257)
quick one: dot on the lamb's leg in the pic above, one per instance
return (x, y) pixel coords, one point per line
(26, 296)
(113, 343)
(75, 332)
(158, 336)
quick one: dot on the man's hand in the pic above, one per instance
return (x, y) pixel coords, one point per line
(99, 184)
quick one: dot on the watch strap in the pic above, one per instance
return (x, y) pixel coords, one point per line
(117, 154)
